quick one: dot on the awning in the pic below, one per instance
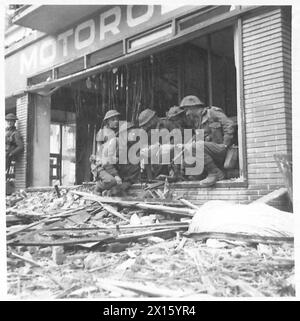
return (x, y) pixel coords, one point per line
(53, 18)
(186, 35)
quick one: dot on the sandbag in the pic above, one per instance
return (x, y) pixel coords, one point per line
(253, 219)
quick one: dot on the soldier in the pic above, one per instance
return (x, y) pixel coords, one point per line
(177, 115)
(13, 140)
(148, 120)
(218, 135)
(104, 166)
(130, 173)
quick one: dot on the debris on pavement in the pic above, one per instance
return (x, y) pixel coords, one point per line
(74, 244)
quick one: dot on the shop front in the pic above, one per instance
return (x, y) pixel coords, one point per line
(130, 58)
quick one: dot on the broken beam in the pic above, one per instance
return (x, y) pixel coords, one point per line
(142, 205)
(271, 196)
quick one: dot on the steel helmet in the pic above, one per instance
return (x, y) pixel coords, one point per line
(145, 116)
(174, 111)
(111, 113)
(191, 101)
(11, 117)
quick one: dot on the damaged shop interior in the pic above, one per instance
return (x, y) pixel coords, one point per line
(204, 67)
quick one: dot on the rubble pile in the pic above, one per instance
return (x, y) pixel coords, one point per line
(79, 245)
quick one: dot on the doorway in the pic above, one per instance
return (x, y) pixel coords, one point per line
(62, 153)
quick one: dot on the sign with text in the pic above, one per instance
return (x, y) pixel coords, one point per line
(96, 32)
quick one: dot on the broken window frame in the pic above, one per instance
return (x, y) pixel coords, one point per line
(195, 32)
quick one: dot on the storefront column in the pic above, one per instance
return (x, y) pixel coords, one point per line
(22, 125)
(41, 141)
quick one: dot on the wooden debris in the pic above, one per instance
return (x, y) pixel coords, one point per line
(241, 237)
(189, 204)
(271, 196)
(109, 286)
(61, 215)
(114, 212)
(149, 290)
(141, 205)
(244, 287)
(74, 241)
(25, 259)
(144, 260)
(37, 265)
(154, 185)
(181, 244)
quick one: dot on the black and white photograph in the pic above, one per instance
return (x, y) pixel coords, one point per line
(148, 152)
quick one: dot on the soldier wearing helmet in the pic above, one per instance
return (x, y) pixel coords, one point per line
(148, 120)
(218, 136)
(104, 164)
(193, 107)
(177, 115)
(13, 141)
(128, 171)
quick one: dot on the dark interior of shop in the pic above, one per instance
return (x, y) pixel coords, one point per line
(203, 67)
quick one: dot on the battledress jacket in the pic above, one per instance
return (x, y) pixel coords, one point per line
(13, 142)
(218, 128)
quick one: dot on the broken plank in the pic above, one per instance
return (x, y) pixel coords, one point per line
(148, 290)
(73, 241)
(241, 237)
(132, 237)
(271, 196)
(189, 204)
(37, 265)
(154, 185)
(63, 214)
(25, 259)
(114, 212)
(247, 288)
(107, 286)
(141, 205)
(114, 227)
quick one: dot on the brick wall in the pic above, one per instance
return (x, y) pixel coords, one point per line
(266, 93)
(266, 42)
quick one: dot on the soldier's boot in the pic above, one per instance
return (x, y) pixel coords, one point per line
(214, 175)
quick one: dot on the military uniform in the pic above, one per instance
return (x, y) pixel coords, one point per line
(130, 173)
(218, 135)
(13, 142)
(104, 167)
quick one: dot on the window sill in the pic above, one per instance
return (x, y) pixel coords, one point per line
(195, 184)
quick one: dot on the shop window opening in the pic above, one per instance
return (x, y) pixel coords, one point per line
(62, 154)
(204, 66)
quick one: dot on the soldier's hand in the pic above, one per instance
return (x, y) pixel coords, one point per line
(118, 180)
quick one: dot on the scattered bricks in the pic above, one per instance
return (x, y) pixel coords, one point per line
(58, 255)
(93, 260)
